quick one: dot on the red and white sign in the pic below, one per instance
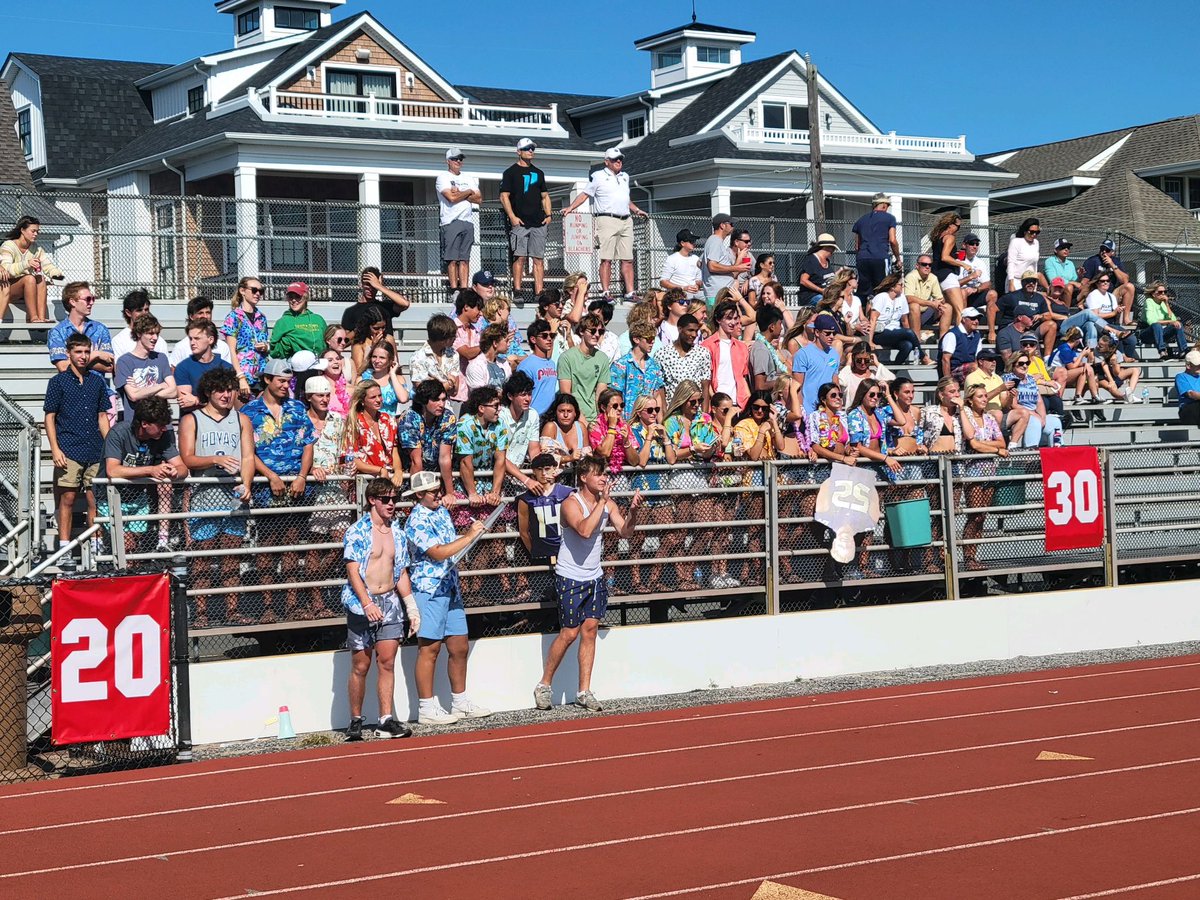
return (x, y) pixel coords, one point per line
(1074, 498)
(110, 658)
(577, 234)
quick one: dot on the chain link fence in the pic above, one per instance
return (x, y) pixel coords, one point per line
(20, 460)
(28, 751)
(1154, 493)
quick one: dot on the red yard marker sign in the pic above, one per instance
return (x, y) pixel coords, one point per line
(1074, 498)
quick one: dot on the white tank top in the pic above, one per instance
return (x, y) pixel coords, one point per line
(579, 558)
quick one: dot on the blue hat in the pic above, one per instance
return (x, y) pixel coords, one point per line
(825, 322)
(486, 278)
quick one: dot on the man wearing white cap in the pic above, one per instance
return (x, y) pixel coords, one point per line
(458, 198)
(527, 205)
(299, 328)
(613, 209)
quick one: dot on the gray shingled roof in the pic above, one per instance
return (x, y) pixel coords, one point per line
(288, 58)
(90, 108)
(1122, 200)
(695, 26)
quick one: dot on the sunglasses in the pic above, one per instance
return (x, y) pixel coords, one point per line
(874, 395)
(837, 394)
(826, 331)
(762, 407)
(594, 331)
(495, 405)
(255, 290)
(90, 298)
(651, 409)
(1160, 291)
(924, 265)
(1034, 231)
(390, 498)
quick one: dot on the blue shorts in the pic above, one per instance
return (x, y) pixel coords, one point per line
(442, 616)
(579, 600)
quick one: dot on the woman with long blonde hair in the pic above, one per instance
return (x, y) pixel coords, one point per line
(369, 443)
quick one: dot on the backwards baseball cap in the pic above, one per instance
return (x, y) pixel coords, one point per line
(1028, 275)
(971, 238)
(721, 219)
(484, 277)
(421, 482)
(299, 288)
(1192, 358)
(276, 367)
(1029, 338)
(1062, 242)
(306, 361)
(454, 153)
(318, 384)
(686, 237)
(1109, 244)
(526, 144)
(614, 153)
(970, 313)
(825, 322)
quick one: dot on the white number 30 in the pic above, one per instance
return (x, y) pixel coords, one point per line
(1075, 498)
(94, 635)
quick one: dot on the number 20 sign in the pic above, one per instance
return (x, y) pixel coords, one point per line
(110, 658)
(1074, 495)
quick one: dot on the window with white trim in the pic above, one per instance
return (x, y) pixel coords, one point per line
(784, 116)
(295, 17)
(360, 85)
(25, 131)
(664, 59)
(635, 126)
(248, 22)
(712, 54)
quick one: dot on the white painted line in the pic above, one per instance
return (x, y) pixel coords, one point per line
(643, 753)
(1135, 887)
(190, 851)
(706, 828)
(570, 732)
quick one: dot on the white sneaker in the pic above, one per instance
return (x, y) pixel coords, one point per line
(469, 710)
(438, 716)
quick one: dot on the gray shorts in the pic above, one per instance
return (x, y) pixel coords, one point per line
(457, 240)
(363, 634)
(528, 243)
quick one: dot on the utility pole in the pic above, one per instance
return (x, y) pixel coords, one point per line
(814, 144)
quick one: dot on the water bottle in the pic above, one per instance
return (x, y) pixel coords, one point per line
(1145, 394)
(1056, 440)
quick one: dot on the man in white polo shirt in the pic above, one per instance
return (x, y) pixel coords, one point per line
(458, 197)
(608, 189)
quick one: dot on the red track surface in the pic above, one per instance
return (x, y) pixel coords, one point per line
(923, 791)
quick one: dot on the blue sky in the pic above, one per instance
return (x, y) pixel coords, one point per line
(1110, 68)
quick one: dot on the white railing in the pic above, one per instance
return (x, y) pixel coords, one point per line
(890, 142)
(398, 109)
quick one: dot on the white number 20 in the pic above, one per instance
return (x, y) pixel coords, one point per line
(94, 635)
(1075, 497)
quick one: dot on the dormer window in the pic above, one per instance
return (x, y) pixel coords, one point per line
(668, 58)
(784, 117)
(712, 55)
(248, 21)
(294, 17)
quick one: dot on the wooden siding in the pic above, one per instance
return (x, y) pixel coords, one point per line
(343, 57)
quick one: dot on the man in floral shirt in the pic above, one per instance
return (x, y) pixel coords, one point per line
(283, 447)
(433, 543)
(427, 432)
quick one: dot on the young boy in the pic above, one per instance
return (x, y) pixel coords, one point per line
(578, 577)
(143, 371)
(202, 339)
(538, 514)
(485, 370)
(432, 544)
(76, 408)
(380, 608)
(436, 359)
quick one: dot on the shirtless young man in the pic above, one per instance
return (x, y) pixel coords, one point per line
(380, 606)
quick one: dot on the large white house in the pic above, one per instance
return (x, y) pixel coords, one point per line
(195, 171)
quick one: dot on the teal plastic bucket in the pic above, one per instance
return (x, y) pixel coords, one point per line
(1009, 493)
(909, 523)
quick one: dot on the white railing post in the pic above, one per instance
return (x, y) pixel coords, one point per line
(372, 112)
(273, 99)
(553, 115)
(466, 110)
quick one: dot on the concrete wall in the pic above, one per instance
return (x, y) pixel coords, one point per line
(234, 700)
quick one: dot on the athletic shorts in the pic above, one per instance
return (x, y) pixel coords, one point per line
(442, 616)
(76, 475)
(579, 600)
(615, 237)
(528, 242)
(216, 499)
(363, 634)
(457, 240)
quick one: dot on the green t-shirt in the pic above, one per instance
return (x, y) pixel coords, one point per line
(292, 332)
(1157, 312)
(586, 374)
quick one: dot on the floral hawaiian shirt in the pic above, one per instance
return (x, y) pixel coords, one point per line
(480, 441)
(280, 443)
(327, 451)
(430, 438)
(625, 376)
(247, 331)
(358, 550)
(376, 449)
(424, 529)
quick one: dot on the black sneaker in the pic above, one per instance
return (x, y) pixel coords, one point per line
(354, 732)
(392, 729)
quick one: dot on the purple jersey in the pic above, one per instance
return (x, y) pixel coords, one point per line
(545, 535)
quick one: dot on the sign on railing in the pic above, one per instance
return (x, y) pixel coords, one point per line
(1072, 486)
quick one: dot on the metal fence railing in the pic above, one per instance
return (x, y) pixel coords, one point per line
(731, 539)
(20, 461)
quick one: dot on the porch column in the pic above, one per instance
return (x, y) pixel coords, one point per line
(979, 225)
(370, 232)
(897, 210)
(720, 200)
(131, 229)
(245, 194)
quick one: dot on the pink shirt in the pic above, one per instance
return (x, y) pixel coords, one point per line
(616, 458)
(467, 336)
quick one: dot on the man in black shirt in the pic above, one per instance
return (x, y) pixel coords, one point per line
(373, 293)
(527, 206)
(817, 269)
(1033, 304)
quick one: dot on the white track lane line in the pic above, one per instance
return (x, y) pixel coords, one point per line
(423, 746)
(1128, 889)
(374, 826)
(1030, 836)
(706, 828)
(594, 759)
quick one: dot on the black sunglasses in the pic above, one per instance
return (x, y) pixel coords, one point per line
(254, 290)
(390, 498)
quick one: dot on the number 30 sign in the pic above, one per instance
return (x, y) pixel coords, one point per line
(1074, 496)
(110, 658)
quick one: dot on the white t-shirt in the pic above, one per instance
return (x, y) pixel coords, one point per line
(682, 271)
(890, 310)
(609, 192)
(183, 350)
(462, 210)
(1097, 301)
(123, 343)
(725, 380)
(982, 265)
(850, 313)
(1022, 258)
(667, 334)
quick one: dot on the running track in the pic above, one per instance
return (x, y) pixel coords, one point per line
(922, 791)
